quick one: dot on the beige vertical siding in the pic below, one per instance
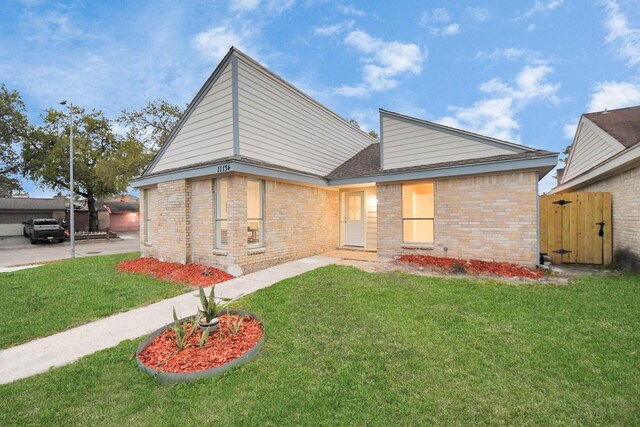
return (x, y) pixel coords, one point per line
(208, 132)
(412, 144)
(278, 124)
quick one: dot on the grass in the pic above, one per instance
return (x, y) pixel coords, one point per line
(346, 347)
(48, 299)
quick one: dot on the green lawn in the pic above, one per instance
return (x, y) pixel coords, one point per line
(48, 299)
(346, 347)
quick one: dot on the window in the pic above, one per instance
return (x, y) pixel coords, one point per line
(255, 220)
(222, 194)
(148, 233)
(417, 213)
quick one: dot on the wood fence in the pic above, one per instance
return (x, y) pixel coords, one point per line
(576, 228)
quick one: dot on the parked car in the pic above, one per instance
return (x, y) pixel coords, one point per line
(44, 230)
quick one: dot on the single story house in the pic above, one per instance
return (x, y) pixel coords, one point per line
(15, 211)
(121, 216)
(605, 156)
(257, 173)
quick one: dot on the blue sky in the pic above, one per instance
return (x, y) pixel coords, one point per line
(519, 70)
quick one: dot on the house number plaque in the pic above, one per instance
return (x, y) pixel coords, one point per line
(224, 168)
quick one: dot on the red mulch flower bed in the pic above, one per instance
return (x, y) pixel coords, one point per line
(162, 354)
(504, 269)
(194, 274)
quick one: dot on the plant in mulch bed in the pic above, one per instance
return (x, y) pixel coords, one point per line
(210, 311)
(193, 274)
(473, 266)
(185, 348)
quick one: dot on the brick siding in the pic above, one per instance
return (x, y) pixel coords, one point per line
(625, 206)
(487, 217)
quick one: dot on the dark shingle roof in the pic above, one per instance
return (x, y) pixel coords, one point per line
(119, 207)
(31, 204)
(367, 163)
(622, 124)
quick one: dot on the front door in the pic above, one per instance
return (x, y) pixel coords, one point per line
(354, 219)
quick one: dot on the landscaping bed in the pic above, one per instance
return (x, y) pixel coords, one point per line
(162, 354)
(193, 274)
(472, 266)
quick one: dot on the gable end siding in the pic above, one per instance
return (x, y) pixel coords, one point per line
(407, 144)
(279, 125)
(591, 147)
(207, 134)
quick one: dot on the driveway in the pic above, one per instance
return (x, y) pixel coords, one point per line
(17, 250)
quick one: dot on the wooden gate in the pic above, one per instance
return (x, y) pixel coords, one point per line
(576, 228)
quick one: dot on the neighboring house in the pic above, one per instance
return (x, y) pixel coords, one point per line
(15, 211)
(257, 173)
(121, 216)
(605, 156)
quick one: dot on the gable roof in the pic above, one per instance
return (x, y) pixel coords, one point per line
(623, 124)
(214, 121)
(618, 150)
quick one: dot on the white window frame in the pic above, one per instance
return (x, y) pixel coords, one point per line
(407, 219)
(218, 220)
(261, 218)
(147, 218)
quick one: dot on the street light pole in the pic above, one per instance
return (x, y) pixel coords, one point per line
(72, 219)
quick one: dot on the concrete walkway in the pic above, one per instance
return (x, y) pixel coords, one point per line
(66, 347)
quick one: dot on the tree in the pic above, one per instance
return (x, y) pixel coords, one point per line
(152, 124)
(372, 133)
(14, 127)
(103, 162)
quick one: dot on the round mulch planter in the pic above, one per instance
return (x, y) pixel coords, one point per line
(167, 378)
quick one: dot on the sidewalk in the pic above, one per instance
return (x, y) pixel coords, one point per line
(66, 347)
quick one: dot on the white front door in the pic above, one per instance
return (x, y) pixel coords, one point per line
(354, 217)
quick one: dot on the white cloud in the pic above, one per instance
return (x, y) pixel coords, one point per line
(512, 54)
(438, 22)
(542, 7)
(384, 63)
(625, 39)
(497, 116)
(479, 14)
(213, 44)
(531, 27)
(612, 95)
(52, 26)
(451, 29)
(332, 30)
(279, 6)
(350, 10)
(243, 5)
(569, 130)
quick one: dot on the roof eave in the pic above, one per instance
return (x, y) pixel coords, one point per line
(543, 164)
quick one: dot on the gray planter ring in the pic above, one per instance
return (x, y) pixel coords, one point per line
(168, 378)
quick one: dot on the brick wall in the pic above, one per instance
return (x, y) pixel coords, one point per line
(486, 217)
(625, 206)
(299, 221)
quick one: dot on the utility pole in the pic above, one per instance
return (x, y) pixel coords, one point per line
(72, 219)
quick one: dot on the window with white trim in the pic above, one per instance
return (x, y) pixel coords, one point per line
(417, 213)
(255, 218)
(148, 229)
(222, 197)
